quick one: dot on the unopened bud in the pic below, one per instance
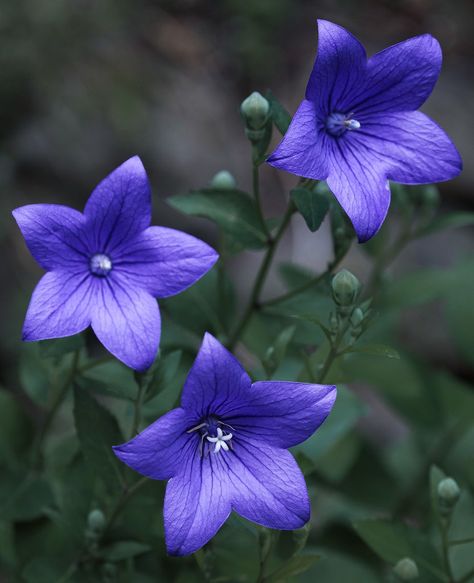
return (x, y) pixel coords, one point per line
(96, 520)
(448, 495)
(406, 569)
(345, 288)
(255, 109)
(430, 196)
(223, 180)
(356, 317)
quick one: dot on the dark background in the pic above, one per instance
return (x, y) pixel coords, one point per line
(84, 85)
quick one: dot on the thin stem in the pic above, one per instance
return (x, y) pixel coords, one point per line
(461, 541)
(333, 353)
(261, 277)
(127, 493)
(57, 402)
(138, 409)
(258, 198)
(444, 527)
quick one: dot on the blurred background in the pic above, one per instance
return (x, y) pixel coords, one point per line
(84, 85)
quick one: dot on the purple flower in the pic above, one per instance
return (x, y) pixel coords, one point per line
(358, 126)
(105, 266)
(225, 449)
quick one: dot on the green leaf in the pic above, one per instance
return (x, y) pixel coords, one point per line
(7, 544)
(447, 221)
(164, 373)
(98, 431)
(280, 116)
(232, 210)
(296, 565)
(34, 375)
(374, 350)
(60, 346)
(387, 540)
(16, 429)
(346, 412)
(336, 567)
(276, 353)
(312, 205)
(119, 551)
(24, 498)
(110, 378)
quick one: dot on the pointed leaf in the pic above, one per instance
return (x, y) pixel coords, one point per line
(312, 205)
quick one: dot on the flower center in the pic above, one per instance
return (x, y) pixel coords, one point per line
(338, 123)
(100, 264)
(213, 433)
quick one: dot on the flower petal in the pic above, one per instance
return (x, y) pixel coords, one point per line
(338, 70)
(414, 147)
(158, 451)
(164, 261)
(119, 207)
(216, 380)
(60, 305)
(399, 78)
(267, 485)
(54, 235)
(359, 181)
(126, 319)
(303, 149)
(197, 502)
(281, 413)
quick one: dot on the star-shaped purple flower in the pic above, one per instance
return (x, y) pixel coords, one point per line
(358, 126)
(225, 449)
(106, 266)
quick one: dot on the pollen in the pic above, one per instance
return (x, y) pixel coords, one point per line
(338, 123)
(100, 264)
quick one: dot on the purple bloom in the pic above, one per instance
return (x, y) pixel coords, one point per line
(225, 449)
(105, 266)
(358, 126)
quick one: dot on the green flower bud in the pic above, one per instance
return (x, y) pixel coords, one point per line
(96, 520)
(345, 288)
(223, 180)
(356, 317)
(430, 196)
(255, 109)
(448, 495)
(406, 569)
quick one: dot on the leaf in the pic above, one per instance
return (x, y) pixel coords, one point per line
(232, 210)
(276, 353)
(280, 116)
(119, 551)
(164, 373)
(7, 544)
(317, 321)
(58, 347)
(346, 412)
(312, 205)
(336, 567)
(374, 350)
(110, 378)
(98, 430)
(34, 375)
(24, 498)
(387, 540)
(296, 565)
(447, 221)
(15, 429)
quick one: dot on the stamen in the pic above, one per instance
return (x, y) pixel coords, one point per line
(338, 123)
(100, 264)
(352, 124)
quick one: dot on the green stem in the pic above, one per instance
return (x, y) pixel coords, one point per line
(461, 541)
(261, 277)
(258, 198)
(127, 493)
(445, 546)
(58, 400)
(333, 353)
(137, 414)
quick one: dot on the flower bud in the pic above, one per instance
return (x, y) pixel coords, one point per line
(345, 288)
(255, 109)
(96, 521)
(430, 196)
(406, 569)
(223, 180)
(448, 495)
(356, 317)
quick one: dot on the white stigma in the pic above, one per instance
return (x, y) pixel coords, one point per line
(100, 264)
(220, 440)
(352, 124)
